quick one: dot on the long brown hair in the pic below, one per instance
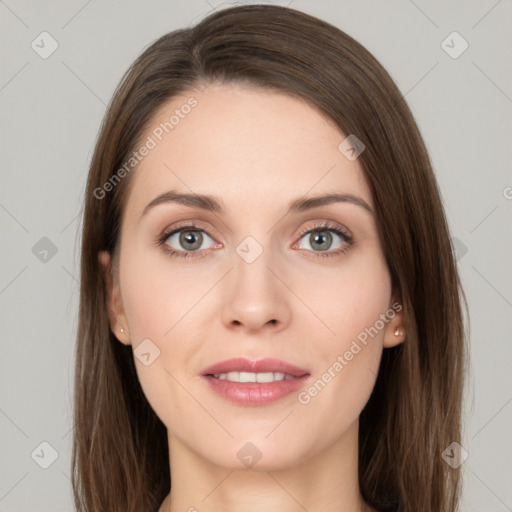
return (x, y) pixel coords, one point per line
(120, 453)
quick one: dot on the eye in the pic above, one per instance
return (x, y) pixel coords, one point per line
(326, 238)
(185, 240)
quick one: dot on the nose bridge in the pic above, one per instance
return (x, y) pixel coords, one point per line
(256, 297)
(251, 271)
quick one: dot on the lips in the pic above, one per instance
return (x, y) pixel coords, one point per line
(254, 383)
(268, 365)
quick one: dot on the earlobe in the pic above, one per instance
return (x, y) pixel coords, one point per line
(114, 304)
(394, 333)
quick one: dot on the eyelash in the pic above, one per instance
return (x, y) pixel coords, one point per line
(322, 226)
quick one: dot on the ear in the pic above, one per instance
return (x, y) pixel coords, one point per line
(116, 315)
(394, 332)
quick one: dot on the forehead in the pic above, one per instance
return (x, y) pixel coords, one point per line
(251, 147)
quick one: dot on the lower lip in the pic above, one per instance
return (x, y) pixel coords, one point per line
(255, 393)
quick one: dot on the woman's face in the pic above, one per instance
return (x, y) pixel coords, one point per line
(266, 275)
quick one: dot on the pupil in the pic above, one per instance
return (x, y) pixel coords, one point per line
(321, 237)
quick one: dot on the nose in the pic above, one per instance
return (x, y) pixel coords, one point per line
(255, 297)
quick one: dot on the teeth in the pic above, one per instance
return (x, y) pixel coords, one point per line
(253, 377)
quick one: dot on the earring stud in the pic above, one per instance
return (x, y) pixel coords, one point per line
(122, 330)
(397, 332)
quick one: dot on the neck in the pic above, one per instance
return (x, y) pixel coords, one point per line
(326, 481)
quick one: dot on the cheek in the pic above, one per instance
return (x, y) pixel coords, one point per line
(153, 303)
(348, 299)
(354, 307)
(163, 306)
(156, 310)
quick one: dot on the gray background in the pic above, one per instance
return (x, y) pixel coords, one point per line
(51, 113)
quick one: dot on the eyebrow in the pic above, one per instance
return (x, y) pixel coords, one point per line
(210, 203)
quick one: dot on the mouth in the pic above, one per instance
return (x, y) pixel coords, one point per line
(252, 377)
(247, 382)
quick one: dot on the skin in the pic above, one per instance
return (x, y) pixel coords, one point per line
(256, 151)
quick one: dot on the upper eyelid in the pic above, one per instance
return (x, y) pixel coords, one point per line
(328, 226)
(193, 225)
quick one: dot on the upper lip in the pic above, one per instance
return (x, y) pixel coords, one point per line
(241, 364)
